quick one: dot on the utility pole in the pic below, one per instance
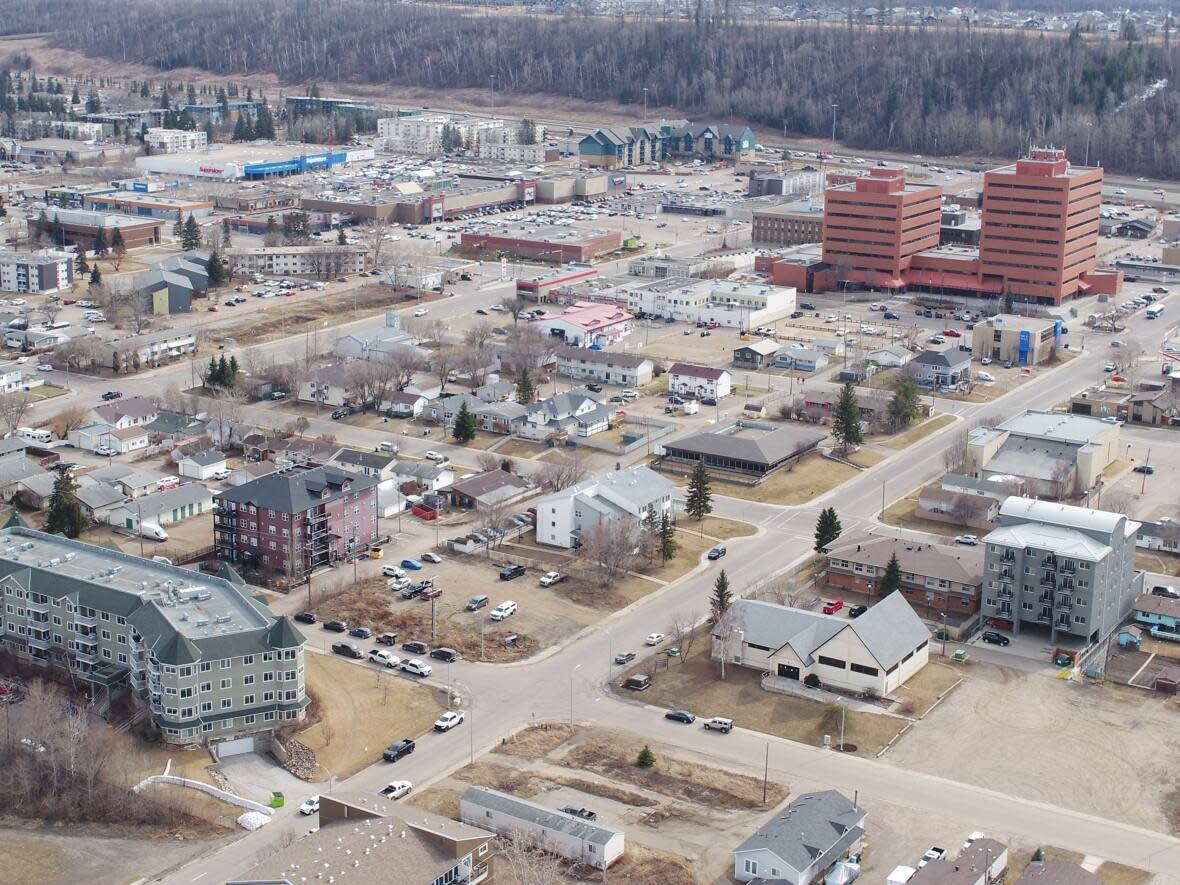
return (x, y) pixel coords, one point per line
(1147, 460)
(834, 106)
(766, 774)
(645, 106)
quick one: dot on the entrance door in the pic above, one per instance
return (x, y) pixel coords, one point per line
(786, 670)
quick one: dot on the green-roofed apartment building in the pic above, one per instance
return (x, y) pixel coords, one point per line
(210, 662)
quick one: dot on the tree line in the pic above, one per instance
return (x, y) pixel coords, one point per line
(934, 91)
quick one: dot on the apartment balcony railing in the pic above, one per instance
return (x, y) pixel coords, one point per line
(39, 607)
(85, 620)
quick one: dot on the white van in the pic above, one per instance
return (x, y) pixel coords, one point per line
(152, 531)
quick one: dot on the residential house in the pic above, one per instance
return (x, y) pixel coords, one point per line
(251, 471)
(259, 682)
(136, 411)
(369, 840)
(14, 472)
(893, 357)
(819, 405)
(11, 378)
(402, 404)
(636, 493)
(802, 841)
(586, 324)
(424, 475)
(163, 508)
(177, 427)
(202, 465)
(1162, 535)
(1159, 615)
(1067, 572)
(148, 349)
(496, 392)
(747, 448)
(296, 521)
(687, 379)
(506, 418)
(800, 358)
(565, 835)
(958, 508)
(489, 489)
(605, 367)
(288, 450)
(381, 465)
(227, 434)
(96, 498)
(936, 577)
(755, 354)
(329, 386)
(572, 414)
(982, 862)
(876, 652)
(1056, 454)
(942, 368)
(91, 437)
(132, 482)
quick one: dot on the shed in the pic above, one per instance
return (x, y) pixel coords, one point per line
(202, 465)
(1130, 637)
(1168, 680)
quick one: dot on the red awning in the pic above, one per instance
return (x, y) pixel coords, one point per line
(947, 280)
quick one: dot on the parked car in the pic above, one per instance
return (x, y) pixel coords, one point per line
(550, 578)
(360, 632)
(435, 457)
(504, 610)
(307, 617)
(416, 667)
(624, 657)
(311, 805)
(717, 552)
(347, 650)
(1144, 468)
(509, 572)
(475, 603)
(931, 854)
(336, 626)
(832, 606)
(337, 414)
(991, 636)
(967, 540)
(1167, 592)
(400, 584)
(412, 564)
(220, 475)
(398, 749)
(396, 789)
(449, 720)
(719, 723)
(392, 571)
(431, 557)
(682, 716)
(384, 657)
(111, 394)
(414, 647)
(583, 813)
(856, 611)
(447, 655)
(430, 592)
(387, 639)
(654, 638)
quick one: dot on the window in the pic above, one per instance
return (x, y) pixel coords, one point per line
(225, 663)
(751, 866)
(861, 668)
(268, 696)
(206, 666)
(226, 703)
(206, 706)
(268, 677)
(248, 700)
(248, 679)
(832, 662)
(227, 683)
(206, 686)
(248, 660)
(227, 724)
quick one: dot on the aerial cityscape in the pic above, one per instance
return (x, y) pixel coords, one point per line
(541, 443)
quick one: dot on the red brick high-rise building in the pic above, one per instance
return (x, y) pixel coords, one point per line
(1040, 226)
(873, 226)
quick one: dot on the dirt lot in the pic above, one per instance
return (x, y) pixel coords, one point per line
(361, 710)
(1031, 735)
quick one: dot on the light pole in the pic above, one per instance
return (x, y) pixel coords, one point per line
(644, 104)
(1089, 135)
(834, 106)
(493, 78)
(572, 672)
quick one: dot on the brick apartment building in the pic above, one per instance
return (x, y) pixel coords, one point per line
(874, 226)
(1040, 226)
(935, 578)
(296, 521)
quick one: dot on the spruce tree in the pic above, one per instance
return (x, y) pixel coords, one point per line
(846, 419)
(526, 391)
(212, 378)
(82, 267)
(904, 407)
(216, 269)
(827, 529)
(226, 239)
(223, 376)
(190, 238)
(65, 513)
(722, 598)
(95, 275)
(891, 580)
(100, 243)
(178, 228)
(668, 545)
(233, 370)
(698, 502)
(341, 236)
(464, 429)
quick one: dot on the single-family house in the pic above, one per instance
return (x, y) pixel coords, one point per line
(176, 426)
(957, 507)
(379, 464)
(686, 379)
(96, 498)
(573, 413)
(605, 367)
(163, 508)
(892, 357)
(637, 493)
(491, 488)
(11, 377)
(134, 483)
(402, 404)
(942, 368)
(227, 434)
(819, 405)
(566, 835)
(1160, 615)
(876, 652)
(329, 386)
(802, 841)
(425, 475)
(13, 473)
(92, 437)
(202, 465)
(251, 471)
(135, 411)
(1161, 535)
(982, 862)
(495, 392)
(800, 358)
(755, 354)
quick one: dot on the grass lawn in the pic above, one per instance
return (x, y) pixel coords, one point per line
(902, 513)
(914, 434)
(442, 801)
(717, 527)
(812, 476)
(47, 391)
(360, 711)
(883, 379)
(867, 457)
(519, 448)
(1154, 561)
(923, 689)
(32, 861)
(695, 684)
(482, 440)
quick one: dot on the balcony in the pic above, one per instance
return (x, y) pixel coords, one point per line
(1063, 624)
(1066, 567)
(1048, 580)
(1044, 617)
(479, 872)
(85, 657)
(1007, 577)
(1045, 599)
(81, 620)
(1049, 561)
(41, 608)
(1005, 593)
(39, 641)
(1008, 556)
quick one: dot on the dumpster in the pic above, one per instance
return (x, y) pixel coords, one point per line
(277, 800)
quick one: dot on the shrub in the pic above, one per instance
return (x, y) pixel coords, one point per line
(811, 681)
(646, 757)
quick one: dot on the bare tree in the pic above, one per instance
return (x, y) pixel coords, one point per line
(1118, 501)
(560, 472)
(474, 362)
(724, 631)
(522, 860)
(404, 362)
(225, 411)
(1061, 480)
(516, 305)
(609, 547)
(79, 353)
(13, 408)
(683, 633)
(478, 335)
(487, 460)
(443, 363)
(492, 519)
(526, 346)
(954, 456)
(68, 419)
(372, 235)
(51, 309)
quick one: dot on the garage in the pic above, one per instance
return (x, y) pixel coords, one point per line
(235, 747)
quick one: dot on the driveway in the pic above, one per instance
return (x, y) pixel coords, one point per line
(254, 776)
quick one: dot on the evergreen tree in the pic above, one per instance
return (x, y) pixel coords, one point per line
(191, 236)
(264, 125)
(218, 273)
(210, 135)
(698, 502)
(341, 236)
(668, 543)
(65, 513)
(226, 239)
(178, 228)
(827, 528)
(891, 580)
(100, 243)
(75, 98)
(82, 267)
(904, 407)
(42, 223)
(526, 391)
(272, 226)
(646, 758)
(223, 377)
(464, 429)
(243, 131)
(722, 597)
(95, 275)
(212, 378)
(233, 370)
(846, 419)
(93, 103)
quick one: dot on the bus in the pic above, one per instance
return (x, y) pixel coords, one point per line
(1154, 311)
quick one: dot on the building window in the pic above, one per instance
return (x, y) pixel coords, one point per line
(832, 662)
(751, 866)
(226, 683)
(861, 668)
(226, 703)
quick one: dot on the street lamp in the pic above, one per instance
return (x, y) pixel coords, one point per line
(572, 672)
(644, 104)
(834, 106)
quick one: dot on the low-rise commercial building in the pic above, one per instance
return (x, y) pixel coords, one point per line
(1023, 341)
(791, 224)
(42, 272)
(80, 227)
(586, 324)
(326, 260)
(209, 662)
(744, 448)
(552, 243)
(147, 206)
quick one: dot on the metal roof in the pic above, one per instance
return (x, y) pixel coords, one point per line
(1064, 541)
(537, 815)
(813, 826)
(1066, 515)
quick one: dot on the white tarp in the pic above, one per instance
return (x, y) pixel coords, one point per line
(252, 820)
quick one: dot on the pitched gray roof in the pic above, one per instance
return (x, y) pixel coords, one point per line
(153, 505)
(769, 448)
(296, 491)
(490, 485)
(814, 825)
(557, 821)
(941, 359)
(371, 460)
(206, 458)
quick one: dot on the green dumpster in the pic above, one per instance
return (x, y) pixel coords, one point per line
(277, 800)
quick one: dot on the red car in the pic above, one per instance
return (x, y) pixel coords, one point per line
(832, 606)
(952, 333)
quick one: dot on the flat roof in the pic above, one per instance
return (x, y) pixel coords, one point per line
(545, 233)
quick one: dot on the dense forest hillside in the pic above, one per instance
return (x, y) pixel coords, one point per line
(928, 91)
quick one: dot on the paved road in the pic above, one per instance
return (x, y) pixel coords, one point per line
(569, 681)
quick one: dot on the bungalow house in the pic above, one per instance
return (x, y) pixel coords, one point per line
(958, 508)
(425, 475)
(1057, 872)
(14, 472)
(227, 434)
(202, 465)
(492, 488)
(893, 357)
(940, 577)
(756, 354)
(820, 404)
(1162, 535)
(942, 368)
(605, 367)
(137, 411)
(133, 483)
(800, 358)
(876, 652)
(379, 464)
(164, 508)
(572, 413)
(251, 471)
(496, 417)
(802, 841)
(496, 392)
(686, 379)
(94, 436)
(176, 426)
(96, 498)
(290, 449)
(1159, 615)
(982, 862)
(402, 404)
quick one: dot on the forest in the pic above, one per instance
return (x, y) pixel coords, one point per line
(937, 91)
